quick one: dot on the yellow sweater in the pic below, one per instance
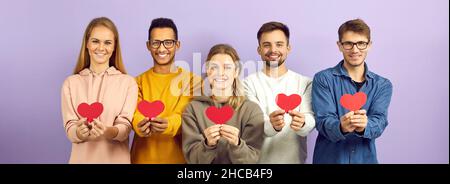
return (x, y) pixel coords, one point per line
(175, 90)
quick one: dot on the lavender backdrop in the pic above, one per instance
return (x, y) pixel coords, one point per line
(40, 41)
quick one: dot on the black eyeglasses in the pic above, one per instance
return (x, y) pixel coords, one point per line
(157, 43)
(349, 45)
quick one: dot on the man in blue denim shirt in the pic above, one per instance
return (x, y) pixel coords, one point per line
(349, 137)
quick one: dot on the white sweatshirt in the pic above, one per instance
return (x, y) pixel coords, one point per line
(285, 146)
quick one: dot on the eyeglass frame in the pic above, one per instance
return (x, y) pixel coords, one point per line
(149, 42)
(355, 43)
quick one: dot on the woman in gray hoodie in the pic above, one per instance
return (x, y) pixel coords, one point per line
(238, 140)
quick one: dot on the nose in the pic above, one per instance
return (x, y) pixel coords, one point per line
(221, 71)
(355, 49)
(271, 49)
(101, 46)
(161, 48)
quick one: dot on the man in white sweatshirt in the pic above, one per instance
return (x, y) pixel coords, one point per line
(285, 132)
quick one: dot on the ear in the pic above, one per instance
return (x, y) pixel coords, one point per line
(236, 72)
(369, 46)
(148, 46)
(289, 48)
(339, 46)
(177, 45)
(258, 49)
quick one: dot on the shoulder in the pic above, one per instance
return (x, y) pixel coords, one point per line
(299, 77)
(144, 74)
(381, 81)
(250, 106)
(130, 80)
(252, 77)
(323, 76)
(326, 73)
(72, 79)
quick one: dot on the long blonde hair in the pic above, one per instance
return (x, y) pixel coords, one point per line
(238, 96)
(84, 60)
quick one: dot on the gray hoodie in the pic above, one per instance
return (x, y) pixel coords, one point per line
(248, 118)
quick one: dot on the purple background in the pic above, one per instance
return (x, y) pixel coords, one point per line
(40, 42)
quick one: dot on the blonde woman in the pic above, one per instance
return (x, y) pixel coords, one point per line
(99, 76)
(239, 140)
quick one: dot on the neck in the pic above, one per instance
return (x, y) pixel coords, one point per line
(164, 69)
(222, 95)
(221, 99)
(98, 68)
(276, 71)
(355, 72)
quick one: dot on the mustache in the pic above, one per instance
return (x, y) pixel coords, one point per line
(270, 53)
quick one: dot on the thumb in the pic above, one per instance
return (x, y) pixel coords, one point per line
(81, 121)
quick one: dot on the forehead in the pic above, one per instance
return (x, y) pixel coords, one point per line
(102, 33)
(354, 37)
(162, 33)
(221, 59)
(273, 36)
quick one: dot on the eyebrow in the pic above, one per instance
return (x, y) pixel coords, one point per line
(99, 39)
(275, 42)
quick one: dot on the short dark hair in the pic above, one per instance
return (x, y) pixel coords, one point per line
(272, 26)
(163, 23)
(355, 25)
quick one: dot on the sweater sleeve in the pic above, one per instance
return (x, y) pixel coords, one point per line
(69, 113)
(327, 119)
(306, 109)
(250, 93)
(123, 120)
(195, 149)
(137, 117)
(377, 114)
(248, 151)
(174, 118)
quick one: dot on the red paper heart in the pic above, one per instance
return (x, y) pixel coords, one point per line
(219, 115)
(150, 109)
(90, 111)
(353, 102)
(288, 103)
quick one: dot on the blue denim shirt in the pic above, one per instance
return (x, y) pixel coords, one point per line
(332, 146)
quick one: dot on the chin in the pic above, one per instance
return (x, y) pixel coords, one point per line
(163, 61)
(100, 62)
(355, 63)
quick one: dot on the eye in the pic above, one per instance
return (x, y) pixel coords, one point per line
(280, 45)
(95, 41)
(108, 42)
(213, 67)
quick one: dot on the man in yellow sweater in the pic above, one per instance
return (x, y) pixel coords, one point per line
(158, 140)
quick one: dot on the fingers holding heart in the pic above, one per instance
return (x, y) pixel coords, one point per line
(158, 124)
(98, 129)
(230, 133)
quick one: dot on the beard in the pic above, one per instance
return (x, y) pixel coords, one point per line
(272, 64)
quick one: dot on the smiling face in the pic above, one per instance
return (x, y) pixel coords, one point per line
(163, 45)
(354, 57)
(273, 48)
(221, 72)
(100, 45)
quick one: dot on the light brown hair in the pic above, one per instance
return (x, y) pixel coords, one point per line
(84, 60)
(272, 26)
(238, 95)
(357, 26)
